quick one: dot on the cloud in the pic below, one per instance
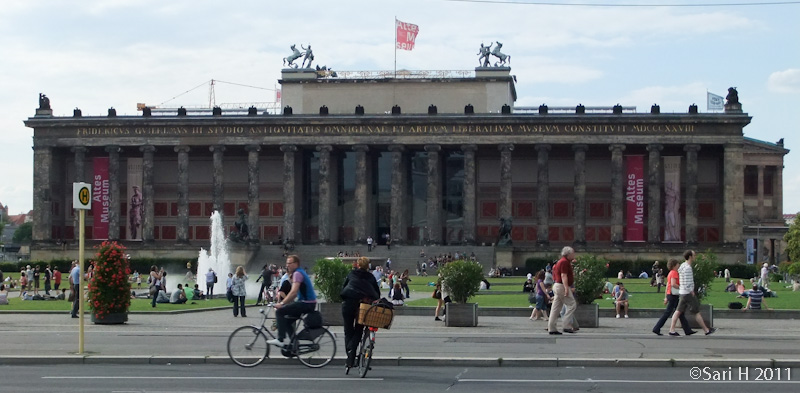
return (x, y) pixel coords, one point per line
(786, 81)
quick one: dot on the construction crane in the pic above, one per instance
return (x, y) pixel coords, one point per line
(230, 108)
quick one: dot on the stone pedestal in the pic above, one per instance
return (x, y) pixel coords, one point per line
(504, 258)
(331, 313)
(588, 315)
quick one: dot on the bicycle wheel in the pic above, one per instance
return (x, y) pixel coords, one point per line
(314, 347)
(247, 346)
(365, 353)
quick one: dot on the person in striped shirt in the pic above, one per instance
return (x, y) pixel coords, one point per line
(755, 299)
(688, 301)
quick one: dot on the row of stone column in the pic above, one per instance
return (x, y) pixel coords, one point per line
(732, 191)
(182, 225)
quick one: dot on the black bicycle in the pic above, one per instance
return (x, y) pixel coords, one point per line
(314, 347)
(373, 317)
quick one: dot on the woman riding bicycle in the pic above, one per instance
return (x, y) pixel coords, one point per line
(359, 287)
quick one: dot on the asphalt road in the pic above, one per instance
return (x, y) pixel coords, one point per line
(295, 378)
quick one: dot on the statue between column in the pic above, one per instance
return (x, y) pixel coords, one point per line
(242, 233)
(504, 234)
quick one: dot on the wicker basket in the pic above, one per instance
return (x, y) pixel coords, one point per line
(375, 316)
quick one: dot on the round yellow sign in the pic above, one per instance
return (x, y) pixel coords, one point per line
(83, 195)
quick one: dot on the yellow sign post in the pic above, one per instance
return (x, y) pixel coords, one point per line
(81, 201)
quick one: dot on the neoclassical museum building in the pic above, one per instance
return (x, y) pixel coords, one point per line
(439, 159)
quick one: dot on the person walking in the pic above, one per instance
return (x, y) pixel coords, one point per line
(74, 283)
(671, 298)
(359, 287)
(370, 240)
(211, 279)
(48, 274)
(265, 275)
(404, 279)
(239, 292)
(154, 282)
(564, 278)
(56, 280)
(688, 301)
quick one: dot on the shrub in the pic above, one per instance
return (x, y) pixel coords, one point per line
(461, 279)
(109, 289)
(704, 269)
(589, 277)
(329, 276)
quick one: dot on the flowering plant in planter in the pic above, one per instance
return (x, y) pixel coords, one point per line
(109, 289)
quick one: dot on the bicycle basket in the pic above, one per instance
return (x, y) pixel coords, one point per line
(376, 316)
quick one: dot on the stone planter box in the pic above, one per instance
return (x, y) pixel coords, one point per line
(111, 319)
(331, 313)
(461, 315)
(588, 315)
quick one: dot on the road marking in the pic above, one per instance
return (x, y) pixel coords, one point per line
(226, 378)
(611, 381)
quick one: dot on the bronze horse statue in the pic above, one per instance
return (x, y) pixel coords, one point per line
(504, 58)
(296, 54)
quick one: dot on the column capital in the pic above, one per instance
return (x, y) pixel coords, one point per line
(691, 147)
(469, 148)
(433, 148)
(113, 149)
(580, 147)
(361, 148)
(288, 148)
(41, 147)
(147, 149)
(655, 147)
(182, 149)
(216, 148)
(616, 146)
(543, 147)
(78, 149)
(506, 146)
(252, 148)
(397, 148)
(325, 148)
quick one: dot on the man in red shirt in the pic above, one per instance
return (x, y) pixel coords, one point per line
(57, 279)
(564, 278)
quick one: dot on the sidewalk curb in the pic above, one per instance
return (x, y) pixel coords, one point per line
(411, 361)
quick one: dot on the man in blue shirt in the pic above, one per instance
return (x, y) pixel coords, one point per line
(301, 299)
(75, 283)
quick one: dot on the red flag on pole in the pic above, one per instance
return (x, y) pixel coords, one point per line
(406, 34)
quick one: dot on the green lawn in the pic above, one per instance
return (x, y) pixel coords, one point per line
(14, 303)
(642, 295)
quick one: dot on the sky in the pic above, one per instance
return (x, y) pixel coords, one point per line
(94, 54)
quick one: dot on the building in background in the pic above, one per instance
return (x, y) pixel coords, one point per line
(426, 158)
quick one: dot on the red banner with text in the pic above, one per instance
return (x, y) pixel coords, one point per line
(634, 198)
(101, 198)
(406, 34)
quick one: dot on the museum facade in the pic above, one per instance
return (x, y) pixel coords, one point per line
(434, 158)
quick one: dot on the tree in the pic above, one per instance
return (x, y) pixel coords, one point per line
(792, 238)
(24, 233)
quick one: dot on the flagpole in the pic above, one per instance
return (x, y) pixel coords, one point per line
(395, 46)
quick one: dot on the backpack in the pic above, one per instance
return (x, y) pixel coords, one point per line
(313, 320)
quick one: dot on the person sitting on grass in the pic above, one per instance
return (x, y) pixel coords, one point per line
(755, 299)
(621, 299)
(178, 296)
(197, 294)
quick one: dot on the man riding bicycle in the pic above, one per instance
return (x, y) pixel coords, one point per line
(301, 299)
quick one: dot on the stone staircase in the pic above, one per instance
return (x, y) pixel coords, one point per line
(403, 257)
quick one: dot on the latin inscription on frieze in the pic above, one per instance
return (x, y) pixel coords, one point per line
(456, 129)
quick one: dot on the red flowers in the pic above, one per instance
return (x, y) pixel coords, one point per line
(109, 290)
